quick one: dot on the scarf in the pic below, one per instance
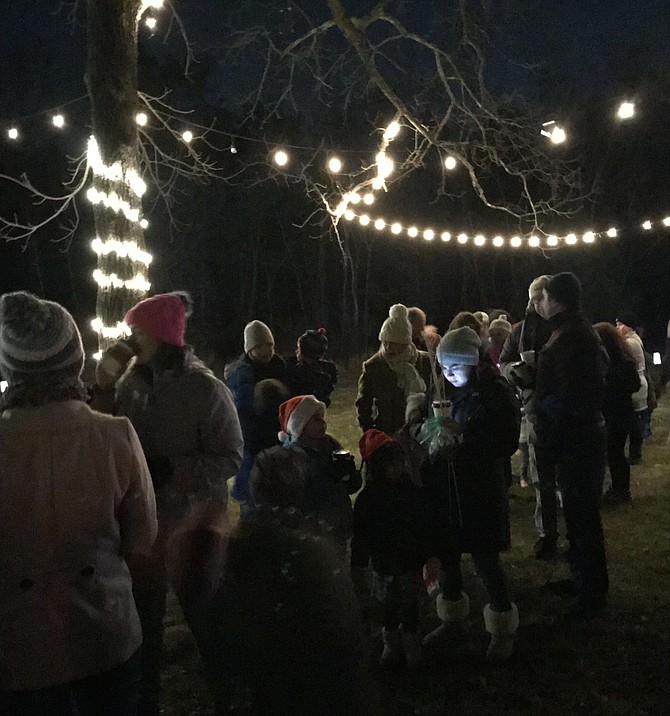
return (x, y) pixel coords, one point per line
(409, 381)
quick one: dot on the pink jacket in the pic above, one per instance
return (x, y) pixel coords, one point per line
(76, 497)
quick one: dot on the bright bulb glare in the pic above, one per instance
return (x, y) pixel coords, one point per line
(380, 224)
(571, 239)
(612, 233)
(13, 133)
(281, 158)
(626, 110)
(450, 163)
(533, 241)
(666, 221)
(589, 237)
(187, 136)
(498, 241)
(354, 197)
(144, 224)
(392, 131)
(413, 232)
(445, 236)
(429, 234)
(515, 242)
(349, 215)
(480, 240)
(377, 183)
(462, 238)
(364, 219)
(396, 228)
(647, 225)
(150, 22)
(58, 120)
(334, 165)
(369, 199)
(558, 135)
(141, 119)
(552, 240)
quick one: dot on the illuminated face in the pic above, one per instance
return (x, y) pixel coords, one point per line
(315, 427)
(146, 345)
(393, 349)
(262, 353)
(457, 374)
(549, 306)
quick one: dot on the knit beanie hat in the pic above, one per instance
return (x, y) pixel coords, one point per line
(566, 289)
(628, 318)
(501, 324)
(459, 346)
(314, 342)
(256, 333)
(38, 340)
(163, 316)
(371, 441)
(396, 328)
(536, 286)
(294, 415)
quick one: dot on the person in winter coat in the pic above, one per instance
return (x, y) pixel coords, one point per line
(499, 331)
(569, 395)
(258, 362)
(391, 528)
(526, 340)
(188, 426)
(627, 326)
(77, 501)
(395, 372)
(308, 372)
(284, 613)
(467, 486)
(621, 382)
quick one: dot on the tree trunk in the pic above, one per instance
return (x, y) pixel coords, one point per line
(111, 79)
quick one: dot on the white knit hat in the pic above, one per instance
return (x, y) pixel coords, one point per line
(501, 324)
(256, 333)
(459, 346)
(396, 328)
(295, 413)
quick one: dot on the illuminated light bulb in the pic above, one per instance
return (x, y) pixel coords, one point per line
(187, 136)
(144, 224)
(571, 239)
(462, 238)
(450, 163)
(533, 241)
(612, 233)
(396, 228)
(552, 240)
(391, 132)
(349, 215)
(364, 219)
(354, 197)
(233, 149)
(13, 133)
(280, 158)
(377, 183)
(58, 121)
(141, 119)
(480, 240)
(666, 221)
(97, 355)
(558, 135)
(589, 237)
(498, 241)
(646, 225)
(380, 224)
(334, 165)
(445, 236)
(515, 242)
(626, 110)
(369, 199)
(150, 22)
(384, 165)
(413, 232)
(428, 234)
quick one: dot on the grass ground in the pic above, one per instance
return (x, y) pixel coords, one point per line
(617, 665)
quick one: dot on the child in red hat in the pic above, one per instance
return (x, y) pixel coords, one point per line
(392, 530)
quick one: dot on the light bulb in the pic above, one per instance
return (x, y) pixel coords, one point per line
(13, 133)
(558, 135)
(281, 158)
(612, 233)
(369, 199)
(445, 236)
(515, 242)
(396, 228)
(646, 225)
(626, 110)
(480, 240)
(364, 219)
(187, 136)
(552, 240)
(589, 237)
(498, 241)
(571, 239)
(233, 149)
(380, 224)
(349, 215)
(334, 165)
(450, 163)
(429, 234)
(391, 132)
(141, 119)
(462, 238)
(150, 22)
(413, 232)
(533, 241)
(144, 224)
(58, 120)
(666, 221)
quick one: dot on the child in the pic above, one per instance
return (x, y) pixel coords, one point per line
(390, 528)
(308, 372)
(330, 472)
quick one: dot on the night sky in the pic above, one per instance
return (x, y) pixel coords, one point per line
(574, 44)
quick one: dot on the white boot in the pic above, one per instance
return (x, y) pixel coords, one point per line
(392, 648)
(411, 645)
(449, 613)
(502, 627)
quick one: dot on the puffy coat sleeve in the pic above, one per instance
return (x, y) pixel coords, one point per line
(137, 512)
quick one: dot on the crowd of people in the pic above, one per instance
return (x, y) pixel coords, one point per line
(114, 492)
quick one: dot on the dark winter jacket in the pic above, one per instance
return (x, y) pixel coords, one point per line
(381, 403)
(469, 491)
(570, 386)
(391, 526)
(317, 378)
(621, 381)
(286, 618)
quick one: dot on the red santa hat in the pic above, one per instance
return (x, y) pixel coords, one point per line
(163, 316)
(295, 413)
(371, 441)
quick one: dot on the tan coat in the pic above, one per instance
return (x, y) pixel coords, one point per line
(76, 497)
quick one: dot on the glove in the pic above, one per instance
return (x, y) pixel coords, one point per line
(522, 375)
(113, 363)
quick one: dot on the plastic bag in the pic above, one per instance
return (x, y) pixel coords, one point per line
(440, 435)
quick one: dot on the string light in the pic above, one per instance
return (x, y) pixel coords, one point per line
(364, 219)
(498, 241)
(141, 119)
(391, 132)
(589, 237)
(462, 238)
(187, 136)
(396, 228)
(144, 224)
(233, 148)
(123, 249)
(552, 240)
(334, 165)
(445, 236)
(515, 242)
(369, 199)
(534, 241)
(412, 232)
(646, 225)
(555, 133)
(571, 239)
(110, 332)
(428, 234)
(613, 233)
(450, 163)
(280, 158)
(13, 133)
(380, 224)
(666, 221)
(354, 197)
(137, 283)
(480, 240)
(626, 110)
(150, 22)
(349, 215)
(58, 121)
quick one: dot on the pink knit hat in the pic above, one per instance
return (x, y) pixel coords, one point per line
(294, 415)
(162, 317)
